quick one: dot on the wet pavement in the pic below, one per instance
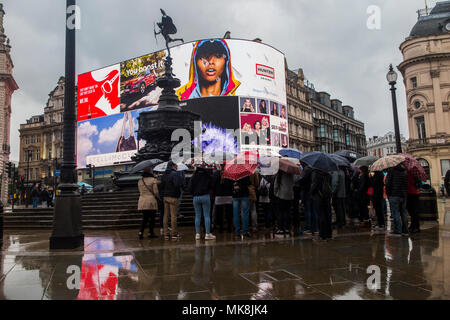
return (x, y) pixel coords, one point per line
(115, 265)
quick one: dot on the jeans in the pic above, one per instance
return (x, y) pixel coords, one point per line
(224, 211)
(268, 214)
(35, 202)
(311, 219)
(412, 204)
(202, 204)
(398, 210)
(237, 204)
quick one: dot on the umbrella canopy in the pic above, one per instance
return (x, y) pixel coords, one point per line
(88, 186)
(293, 160)
(291, 153)
(145, 164)
(414, 167)
(349, 155)
(163, 166)
(319, 160)
(243, 165)
(340, 160)
(365, 161)
(387, 162)
(289, 166)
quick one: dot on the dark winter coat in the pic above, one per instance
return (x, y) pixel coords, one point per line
(320, 185)
(171, 184)
(201, 183)
(397, 182)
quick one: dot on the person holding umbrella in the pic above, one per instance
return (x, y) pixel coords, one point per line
(321, 196)
(338, 190)
(284, 191)
(148, 201)
(241, 201)
(223, 200)
(364, 185)
(377, 183)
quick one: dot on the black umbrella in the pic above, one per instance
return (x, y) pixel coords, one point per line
(365, 162)
(340, 160)
(145, 164)
(349, 155)
(319, 160)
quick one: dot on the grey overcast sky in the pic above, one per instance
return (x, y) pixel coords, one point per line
(329, 39)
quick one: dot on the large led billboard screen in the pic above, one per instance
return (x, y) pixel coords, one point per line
(230, 83)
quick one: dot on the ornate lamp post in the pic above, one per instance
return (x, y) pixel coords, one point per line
(392, 79)
(67, 229)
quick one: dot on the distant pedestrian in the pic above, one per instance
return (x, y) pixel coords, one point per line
(200, 186)
(284, 191)
(265, 200)
(321, 195)
(364, 185)
(338, 190)
(45, 198)
(311, 217)
(253, 187)
(35, 195)
(83, 190)
(148, 202)
(396, 189)
(447, 182)
(171, 185)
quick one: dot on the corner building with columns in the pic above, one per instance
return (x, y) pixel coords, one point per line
(426, 75)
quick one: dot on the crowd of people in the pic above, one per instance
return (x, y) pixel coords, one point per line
(232, 206)
(37, 195)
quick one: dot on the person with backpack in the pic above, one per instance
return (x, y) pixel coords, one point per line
(321, 196)
(241, 201)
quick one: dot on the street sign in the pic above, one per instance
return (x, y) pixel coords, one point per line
(57, 173)
(99, 173)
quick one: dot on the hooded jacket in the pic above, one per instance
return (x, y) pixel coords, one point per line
(192, 88)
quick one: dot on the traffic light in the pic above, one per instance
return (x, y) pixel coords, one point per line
(89, 167)
(10, 169)
(22, 179)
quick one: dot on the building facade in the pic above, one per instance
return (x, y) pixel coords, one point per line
(7, 87)
(335, 126)
(385, 145)
(426, 75)
(299, 112)
(41, 141)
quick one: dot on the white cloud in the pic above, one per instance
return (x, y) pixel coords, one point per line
(85, 146)
(111, 134)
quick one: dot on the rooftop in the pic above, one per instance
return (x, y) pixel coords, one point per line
(432, 21)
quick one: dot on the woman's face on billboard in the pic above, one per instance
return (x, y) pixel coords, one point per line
(257, 125)
(211, 68)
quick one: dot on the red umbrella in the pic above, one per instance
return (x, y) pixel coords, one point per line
(242, 166)
(414, 167)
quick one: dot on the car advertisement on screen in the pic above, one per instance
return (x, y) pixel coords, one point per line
(228, 82)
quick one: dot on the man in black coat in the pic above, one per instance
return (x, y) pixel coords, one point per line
(321, 196)
(396, 190)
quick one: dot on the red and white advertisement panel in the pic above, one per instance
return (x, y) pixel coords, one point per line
(98, 93)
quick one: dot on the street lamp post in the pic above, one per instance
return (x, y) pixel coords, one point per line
(392, 79)
(67, 228)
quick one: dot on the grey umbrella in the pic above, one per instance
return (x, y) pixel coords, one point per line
(349, 155)
(340, 161)
(145, 164)
(365, 161)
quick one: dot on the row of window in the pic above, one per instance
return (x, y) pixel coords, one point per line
(32, 155)
(34, 174)
(319, 114)
(32, 139)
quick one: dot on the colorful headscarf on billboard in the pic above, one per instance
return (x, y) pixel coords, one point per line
(202, 49)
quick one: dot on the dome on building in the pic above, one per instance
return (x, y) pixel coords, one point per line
(435, 23)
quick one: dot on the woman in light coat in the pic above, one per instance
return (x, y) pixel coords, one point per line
(148, 201)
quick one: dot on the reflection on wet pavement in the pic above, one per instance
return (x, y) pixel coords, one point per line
(115, 265)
